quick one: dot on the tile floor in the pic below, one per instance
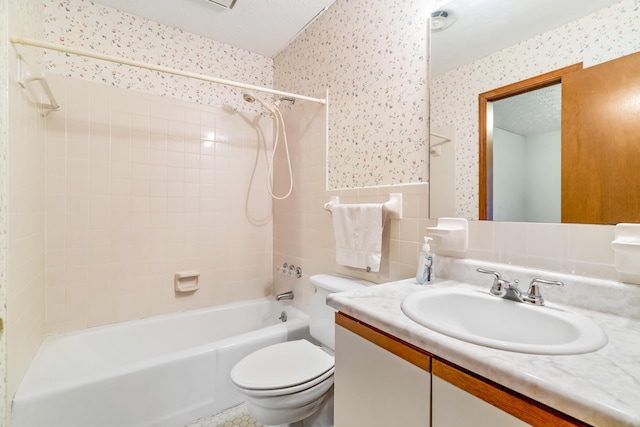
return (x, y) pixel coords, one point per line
(236, 416)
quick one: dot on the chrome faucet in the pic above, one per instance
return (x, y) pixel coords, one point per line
(284, 295)
(505, 289)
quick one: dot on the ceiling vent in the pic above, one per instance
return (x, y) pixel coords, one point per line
(227, 4)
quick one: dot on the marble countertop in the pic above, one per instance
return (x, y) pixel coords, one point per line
(600, 388)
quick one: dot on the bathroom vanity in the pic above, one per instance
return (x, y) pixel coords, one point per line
(389, 366)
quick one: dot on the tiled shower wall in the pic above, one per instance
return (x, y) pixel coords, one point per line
(120, 225)
(139, 187)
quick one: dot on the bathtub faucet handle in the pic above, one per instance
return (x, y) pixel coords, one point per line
(295, 271)
(284, 295)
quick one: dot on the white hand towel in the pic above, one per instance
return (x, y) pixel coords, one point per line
(358, 232)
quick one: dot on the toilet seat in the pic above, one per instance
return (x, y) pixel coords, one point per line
(279, 392)
(292, 366)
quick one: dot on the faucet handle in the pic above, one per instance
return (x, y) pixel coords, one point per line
(533, 294)
(495, 273)
(499, 287)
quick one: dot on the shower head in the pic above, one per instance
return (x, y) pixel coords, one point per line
(249, 96)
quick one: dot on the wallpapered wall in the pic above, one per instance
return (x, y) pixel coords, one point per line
(373, 58)
(378, 118)
(86, 25)
(599, 37)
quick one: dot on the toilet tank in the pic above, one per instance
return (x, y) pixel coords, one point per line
(321, 316)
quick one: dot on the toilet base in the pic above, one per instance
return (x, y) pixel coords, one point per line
(318, 413)
(323, 417)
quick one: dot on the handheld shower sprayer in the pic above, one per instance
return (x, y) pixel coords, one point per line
(251, 97)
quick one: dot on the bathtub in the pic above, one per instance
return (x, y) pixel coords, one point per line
(162, 371)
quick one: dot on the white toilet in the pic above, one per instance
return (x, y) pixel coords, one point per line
(292, 381)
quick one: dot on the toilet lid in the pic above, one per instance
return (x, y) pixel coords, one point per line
(281, 365)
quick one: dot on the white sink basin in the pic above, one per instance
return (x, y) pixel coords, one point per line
(477, 317)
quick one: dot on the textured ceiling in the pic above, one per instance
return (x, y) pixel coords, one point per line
(261, 26)
(530, 113)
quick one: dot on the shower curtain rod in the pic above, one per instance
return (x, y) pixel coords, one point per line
(51, 46)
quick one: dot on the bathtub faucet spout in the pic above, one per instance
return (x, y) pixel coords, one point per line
(284, 295)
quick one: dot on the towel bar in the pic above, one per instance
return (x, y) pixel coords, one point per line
(393, 207)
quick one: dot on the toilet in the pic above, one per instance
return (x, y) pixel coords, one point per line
(292, 382)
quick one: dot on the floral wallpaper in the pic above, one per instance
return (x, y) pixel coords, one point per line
(372, 56)
(88, 26)
(596, 38)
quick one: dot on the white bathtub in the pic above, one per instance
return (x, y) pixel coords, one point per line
(162, 371)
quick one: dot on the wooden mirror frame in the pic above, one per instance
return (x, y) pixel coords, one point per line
(485, 160)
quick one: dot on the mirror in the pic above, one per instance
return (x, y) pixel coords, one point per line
(520, 150)
(525, 162)
(573, 34)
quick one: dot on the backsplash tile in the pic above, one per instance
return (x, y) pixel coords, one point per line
(607, 296)
(575, 249)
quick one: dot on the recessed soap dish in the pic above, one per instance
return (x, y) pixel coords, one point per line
(187, 281)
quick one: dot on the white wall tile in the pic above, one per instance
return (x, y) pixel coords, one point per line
(127, 208)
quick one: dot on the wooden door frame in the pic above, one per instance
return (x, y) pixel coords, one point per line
(485, 159)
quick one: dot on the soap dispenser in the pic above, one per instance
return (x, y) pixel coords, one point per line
(425, 264)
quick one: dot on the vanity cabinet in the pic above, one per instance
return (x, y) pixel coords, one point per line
(378, 381)
(461, 398)
(453, 406)
(381, 380)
